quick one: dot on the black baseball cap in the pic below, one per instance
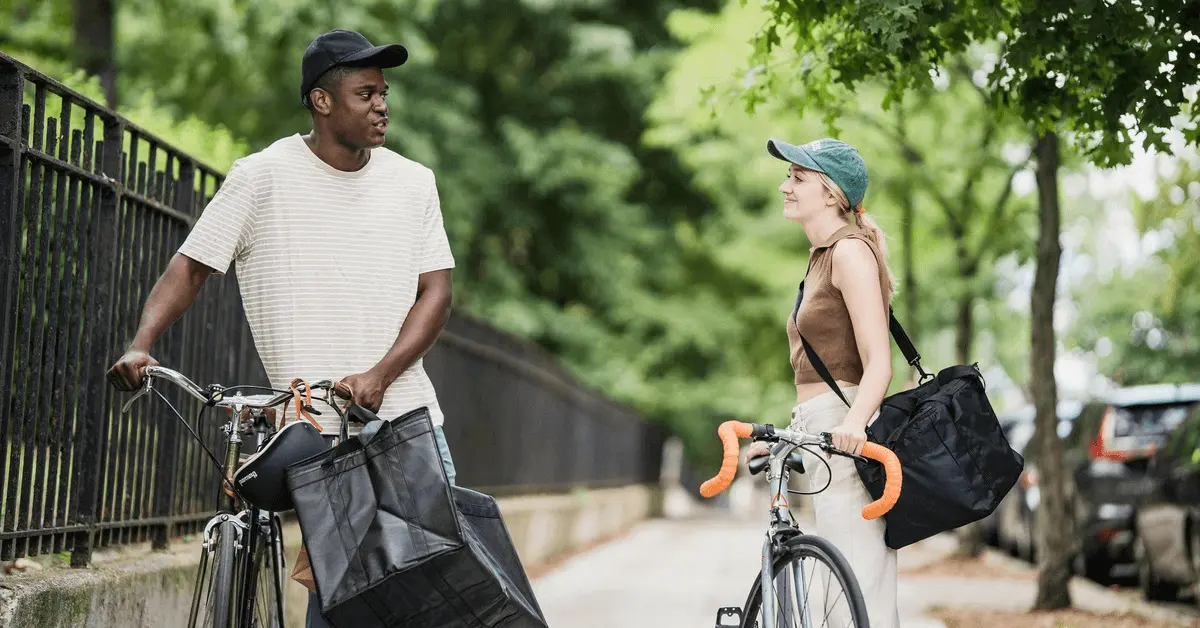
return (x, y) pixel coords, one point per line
(343, 47)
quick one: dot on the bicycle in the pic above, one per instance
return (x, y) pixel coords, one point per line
(774, 600)
(239, 539)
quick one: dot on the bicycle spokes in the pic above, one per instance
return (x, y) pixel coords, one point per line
(807, 594)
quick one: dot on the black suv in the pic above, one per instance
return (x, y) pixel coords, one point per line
(1107, 452)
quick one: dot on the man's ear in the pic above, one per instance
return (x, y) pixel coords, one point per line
(321, 101)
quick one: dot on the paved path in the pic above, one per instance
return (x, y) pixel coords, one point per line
(675, 573)
(669, 574)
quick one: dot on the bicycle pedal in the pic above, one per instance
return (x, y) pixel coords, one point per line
(728, 611)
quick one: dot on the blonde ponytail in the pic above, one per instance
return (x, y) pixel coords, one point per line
(877, 236)
(868, 226)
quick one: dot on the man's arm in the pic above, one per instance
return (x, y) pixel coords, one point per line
(421, 328)
(172, 295)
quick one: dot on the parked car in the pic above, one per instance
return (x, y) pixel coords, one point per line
(1015, 515)
(1166, 544)
(1107, 453)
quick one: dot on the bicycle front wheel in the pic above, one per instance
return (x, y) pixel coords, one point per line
(212, 600)
(262, 601)
(813, 587)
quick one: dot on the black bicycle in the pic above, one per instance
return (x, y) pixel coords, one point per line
(239, 583)
(783, 594)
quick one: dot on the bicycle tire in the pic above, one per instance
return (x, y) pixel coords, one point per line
(220, 581)
(808, 546)
(262, 590)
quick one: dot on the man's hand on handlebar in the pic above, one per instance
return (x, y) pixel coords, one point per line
(129, 371)
(365, 389)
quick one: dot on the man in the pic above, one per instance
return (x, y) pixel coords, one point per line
(342, 257)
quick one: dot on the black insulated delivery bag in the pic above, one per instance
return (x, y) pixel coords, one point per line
(391, 543)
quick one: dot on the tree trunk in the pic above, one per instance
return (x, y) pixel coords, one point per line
(95, 44)
(965, 327)
(970, 536)
(1054, 533)
(908, 218)
(911, 325)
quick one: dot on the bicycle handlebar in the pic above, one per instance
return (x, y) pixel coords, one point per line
(217, 397)
(731, 431)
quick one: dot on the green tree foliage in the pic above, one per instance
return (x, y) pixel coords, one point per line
(1105, 70)
(941, 167)
(567, 229)
(1143, 323)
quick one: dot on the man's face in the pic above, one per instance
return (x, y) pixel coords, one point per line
(358, 110)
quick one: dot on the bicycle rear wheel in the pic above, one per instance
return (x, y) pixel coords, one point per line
(212, 599)
(814, 587)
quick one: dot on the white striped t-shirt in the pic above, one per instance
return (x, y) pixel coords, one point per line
(327, 262)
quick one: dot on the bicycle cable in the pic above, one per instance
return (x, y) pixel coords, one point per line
(819, 456)
(217, 463)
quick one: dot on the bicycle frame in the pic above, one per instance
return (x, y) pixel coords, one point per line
(783, 526)
(248, 522)
(250, 526)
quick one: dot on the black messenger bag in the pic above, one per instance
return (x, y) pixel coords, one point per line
(956, 462)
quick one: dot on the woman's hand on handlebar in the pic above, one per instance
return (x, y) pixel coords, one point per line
(129, 371)
(849, 437)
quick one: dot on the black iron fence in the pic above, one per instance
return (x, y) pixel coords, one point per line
(91, 209)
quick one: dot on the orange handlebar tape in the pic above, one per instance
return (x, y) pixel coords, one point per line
(729, 432)
(891, 487)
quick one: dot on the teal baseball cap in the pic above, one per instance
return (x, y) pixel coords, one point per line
(838, 160)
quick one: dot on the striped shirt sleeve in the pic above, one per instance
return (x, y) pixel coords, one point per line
(225, 227)
(436, 254)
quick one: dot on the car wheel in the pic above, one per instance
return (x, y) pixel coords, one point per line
(1154, 589)
(1095, 568)
(1194, 546)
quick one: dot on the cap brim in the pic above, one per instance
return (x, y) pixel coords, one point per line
(792, 153)
(387, 56)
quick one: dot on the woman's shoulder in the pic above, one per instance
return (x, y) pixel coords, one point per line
(855, 249)
(854, 257)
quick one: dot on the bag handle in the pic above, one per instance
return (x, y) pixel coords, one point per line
(898, 334)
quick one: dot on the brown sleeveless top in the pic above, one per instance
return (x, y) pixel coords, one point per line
(823, 318)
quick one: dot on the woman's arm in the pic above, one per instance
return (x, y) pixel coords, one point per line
(856, 275)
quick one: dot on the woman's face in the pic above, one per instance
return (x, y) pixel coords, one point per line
(803, 194)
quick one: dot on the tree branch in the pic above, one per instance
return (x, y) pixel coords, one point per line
(998, 211)
(915, 157)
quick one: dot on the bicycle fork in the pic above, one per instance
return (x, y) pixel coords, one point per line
(791, 582)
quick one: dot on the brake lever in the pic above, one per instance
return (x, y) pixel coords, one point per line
(145, 390)
(828, 448)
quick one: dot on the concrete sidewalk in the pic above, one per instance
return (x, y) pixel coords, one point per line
(675, 573)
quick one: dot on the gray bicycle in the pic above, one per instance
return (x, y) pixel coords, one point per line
(239, 583)
(804, 581)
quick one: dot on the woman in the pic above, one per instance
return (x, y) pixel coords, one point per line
(844, 315)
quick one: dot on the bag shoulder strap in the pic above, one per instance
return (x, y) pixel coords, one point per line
(898, 334)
